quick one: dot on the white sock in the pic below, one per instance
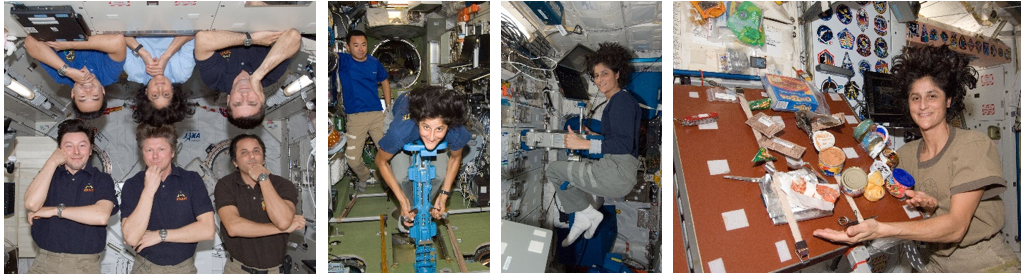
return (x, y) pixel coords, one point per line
(595, 217)
(586, 222)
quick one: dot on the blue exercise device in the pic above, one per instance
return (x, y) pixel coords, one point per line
(421, 172)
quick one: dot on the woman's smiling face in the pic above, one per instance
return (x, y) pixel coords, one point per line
(606, 80)
(928, 103)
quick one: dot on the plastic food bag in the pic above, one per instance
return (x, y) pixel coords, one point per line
(812, 195)
(721, 94)
(745, 20)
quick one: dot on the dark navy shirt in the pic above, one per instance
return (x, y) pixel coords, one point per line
(620, 123)
(180, 199)
(360, 83)
(219, 70)
(404, 130)
(99, 63)
(86, 187)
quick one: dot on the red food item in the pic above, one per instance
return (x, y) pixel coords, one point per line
(827, 193)
(799, 185)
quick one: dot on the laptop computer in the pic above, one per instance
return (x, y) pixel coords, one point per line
(569, 73)
(51, 23)
(467, 52)
(483, 63)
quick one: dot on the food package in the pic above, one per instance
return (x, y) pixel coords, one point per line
(788, 94)
(763, 155)
(761, 104)
(805, 192)
(783, 146)
(765, 124)
(745, 20)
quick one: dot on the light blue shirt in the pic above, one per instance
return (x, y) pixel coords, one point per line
(178, 69)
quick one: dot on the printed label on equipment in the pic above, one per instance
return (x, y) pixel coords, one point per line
(540, 233)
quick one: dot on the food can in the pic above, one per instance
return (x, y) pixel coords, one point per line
(853, 181)
(872, 144)
(875, 178)
(830, 161)
(891, 158)
(863, 128)
(823, 140)
(874, 193)
(880, 129)
(902, 181)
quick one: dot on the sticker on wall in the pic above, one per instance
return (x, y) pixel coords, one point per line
(862, 19)
(829, 85)
(985, 48)
(953, 41)
(863, 3)
(846, 39)
(933, 35)
(824, 34)
(963, 43)
(845, 14)
(863, 45)
(881, 26)
(863, 66)
(882, 67)
(944, 37)
(978, 46)
(880, 7)
(924, 35)
(912, 29)
(881, 48)
(826, 57)
(826, 15)
(1006, 54)
(993, 50)
(846, 62)
(851, 89)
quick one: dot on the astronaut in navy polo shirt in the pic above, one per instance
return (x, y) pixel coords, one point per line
(68, 204)
(241, 65)
(431, 114)
(165, 209)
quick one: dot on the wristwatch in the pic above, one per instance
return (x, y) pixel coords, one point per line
(136, 50)
(445, 192)
(248, 40)
(62, 70)
(60, 209)
(163, 233)
(262, 177)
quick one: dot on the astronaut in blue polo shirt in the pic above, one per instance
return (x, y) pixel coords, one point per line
(241, 65)
(360, 75)
(87, 66)
(431, 114)
(68, 204)
(166, 210)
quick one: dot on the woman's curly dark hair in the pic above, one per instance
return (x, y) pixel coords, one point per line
(615, 57)
(175, 112)
(947, 69)
(428, 102)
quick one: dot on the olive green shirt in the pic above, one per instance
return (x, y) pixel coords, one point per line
(969, 161)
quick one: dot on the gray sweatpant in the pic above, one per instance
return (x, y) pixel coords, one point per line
(614, 175)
